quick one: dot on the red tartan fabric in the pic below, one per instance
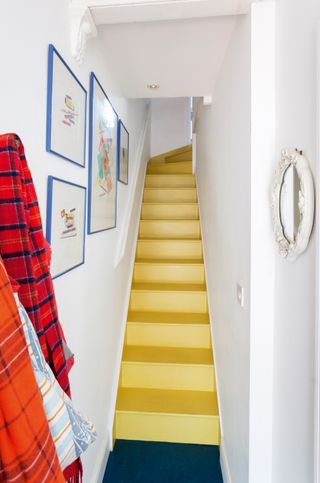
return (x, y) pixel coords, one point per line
(24, 251)
(27, 451)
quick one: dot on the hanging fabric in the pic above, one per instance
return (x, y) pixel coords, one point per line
(72, 432)
(27, 451)
(25, 254)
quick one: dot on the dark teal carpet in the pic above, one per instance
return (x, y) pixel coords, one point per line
(144, 462)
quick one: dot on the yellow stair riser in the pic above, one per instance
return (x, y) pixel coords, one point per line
(169, 273)
(171, 301)
(170, 229)
(176, 249)
(181, 158)
(168, 335)
(173, 211)
(168, 428)
(185, 195)
(183, 167)
(170, 181)
(155, 375)
(180, 154)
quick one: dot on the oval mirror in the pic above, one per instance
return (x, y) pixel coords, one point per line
(292, 204)
(290, 216)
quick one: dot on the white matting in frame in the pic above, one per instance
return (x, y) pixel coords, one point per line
(66, 210)
(66, 111)
(103, 151)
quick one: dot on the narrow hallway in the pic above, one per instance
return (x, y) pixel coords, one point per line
(167, 383)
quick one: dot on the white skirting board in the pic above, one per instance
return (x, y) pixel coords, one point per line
(137, 184)
(100, 468)
(226, 474)
(225, 469)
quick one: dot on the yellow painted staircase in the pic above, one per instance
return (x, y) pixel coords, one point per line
(167, 383)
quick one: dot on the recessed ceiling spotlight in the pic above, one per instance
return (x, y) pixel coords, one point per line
(153, 86)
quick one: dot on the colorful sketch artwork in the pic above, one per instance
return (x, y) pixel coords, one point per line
(102, 160)
(66, 111)
(69, 111)
(69, 223)
(66, 208)
(104, 168)
(123, 153)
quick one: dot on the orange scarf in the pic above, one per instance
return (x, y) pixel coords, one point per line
(27, 451)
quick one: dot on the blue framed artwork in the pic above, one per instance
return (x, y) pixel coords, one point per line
(103, 151)
(66, 111)
(66, 213)
(123, 154)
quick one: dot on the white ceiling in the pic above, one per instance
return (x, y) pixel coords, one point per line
(178, 44)
(184, 57)
(127, 11)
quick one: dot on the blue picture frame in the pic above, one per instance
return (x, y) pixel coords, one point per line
(103, 160)
(123, 153)
(66, 111)
(66, 224)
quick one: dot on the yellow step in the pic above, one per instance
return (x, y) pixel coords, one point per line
(183, 153)
(168, 298)
(165, 249)
(181, 167)
(168, 335)
(167, 368)
(169, 318)
(170, 229)
(170, 211)
(170, 195)
(169, 271)
(171, 416)
(170, 180)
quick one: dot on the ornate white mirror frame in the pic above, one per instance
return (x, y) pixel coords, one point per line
(292, 249)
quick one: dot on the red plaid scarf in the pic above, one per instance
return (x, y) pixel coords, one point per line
(27, 451)
(24, 251)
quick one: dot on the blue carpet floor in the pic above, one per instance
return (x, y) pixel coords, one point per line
(144, 462)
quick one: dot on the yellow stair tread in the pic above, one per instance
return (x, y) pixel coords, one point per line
(194, 241)
(178, 240)
(158, 203)
(182, 175)
(170, 188)
(169, 287)
(166, 401)
(167, 355)
(171, 261)
(168, 318)
(171, 220)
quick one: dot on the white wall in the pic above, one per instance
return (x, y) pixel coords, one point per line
(92, 298)
(223, 180)
(170, 124)
(262, 254)
(235, 152)
(282, 315)
(295, 282)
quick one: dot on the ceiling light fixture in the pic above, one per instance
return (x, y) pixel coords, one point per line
(153, 86)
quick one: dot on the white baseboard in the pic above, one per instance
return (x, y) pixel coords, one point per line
(225, 468)
(102, 461)
(137, 192)
(226, 474)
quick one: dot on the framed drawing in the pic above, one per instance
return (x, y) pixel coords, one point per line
(66, 212)
(66, 111)
(123, 154)
(103, 150)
